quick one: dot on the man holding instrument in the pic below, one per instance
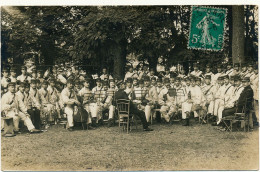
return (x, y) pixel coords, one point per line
(69, 97)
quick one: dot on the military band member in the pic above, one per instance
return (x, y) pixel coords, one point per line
(219, 98)
(38, 84)
(34, 111)
(60, 77)
(135, 82)
(181, 93)
(139, 93)
(229, 69)
(250, 70)
(5, 80)
(129, 88)
(196, 72)
(217, 75)
(151, 98)
(69, 98)
(24, 76)
(34, 74)
(160, 66)
(40, 75)
(244, 70)
(54, 97)
(193, 102)
(99, 100)
(181, 73)
(78, 85)
(13, 106)
(88, 101)
(236, 70)
(246, 96)
(208, 71)
(172, 79)
(167, 72)
(130, 73)
(167, 100)
(109, 103)
(152, 74)
(208, 91)
(49, 110)
(153, 81)
(228, 93)
(105, 74)
(143, 72)
(159, 85)
(13, 74)
(98, 86)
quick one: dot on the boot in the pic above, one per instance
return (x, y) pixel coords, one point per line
(94, 122)
(214, 120)
(187, 122)
(110, 122)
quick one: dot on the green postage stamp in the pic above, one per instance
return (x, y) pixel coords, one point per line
(207, 28)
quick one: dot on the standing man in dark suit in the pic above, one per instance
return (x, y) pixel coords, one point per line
(121, 94)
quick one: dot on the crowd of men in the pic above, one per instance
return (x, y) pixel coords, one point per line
(41, 99)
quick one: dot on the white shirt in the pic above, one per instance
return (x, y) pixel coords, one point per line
(196, 94)
(12, 79)
(4, 82)
(12, 104)
(22, 78)
(196, 73)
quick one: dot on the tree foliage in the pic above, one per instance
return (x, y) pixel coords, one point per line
(108, 33)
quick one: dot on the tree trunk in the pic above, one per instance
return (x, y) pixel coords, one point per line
(238, 37)
(119, 53)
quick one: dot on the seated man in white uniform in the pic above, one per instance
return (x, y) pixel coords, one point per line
(192, 103)
(167, 100)
(69, 98)
(12, 106)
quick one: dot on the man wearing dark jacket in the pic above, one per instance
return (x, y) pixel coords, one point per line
(245, 99)
(121, 94)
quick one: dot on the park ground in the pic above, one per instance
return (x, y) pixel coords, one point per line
(168, 147)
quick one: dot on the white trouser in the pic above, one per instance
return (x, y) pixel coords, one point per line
(95, 111)
(87, 108)
(111, 112)
(167, 111)
(218, 103)
(220, 110)
(196, 114)
(186, 107)
(211, 107)
(23, 117)
(147, 111)
(69, 112)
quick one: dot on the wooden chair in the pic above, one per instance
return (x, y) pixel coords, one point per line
(8, 127)
(123, 109)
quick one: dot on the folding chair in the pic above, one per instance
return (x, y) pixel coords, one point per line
(123, 109)
(244, 115)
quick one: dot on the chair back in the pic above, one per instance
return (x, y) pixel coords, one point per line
(246, 108)
(123, 106)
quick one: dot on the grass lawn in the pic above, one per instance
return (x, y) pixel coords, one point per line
(168, 147)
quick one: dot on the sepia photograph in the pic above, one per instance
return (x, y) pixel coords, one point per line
(129, 87)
